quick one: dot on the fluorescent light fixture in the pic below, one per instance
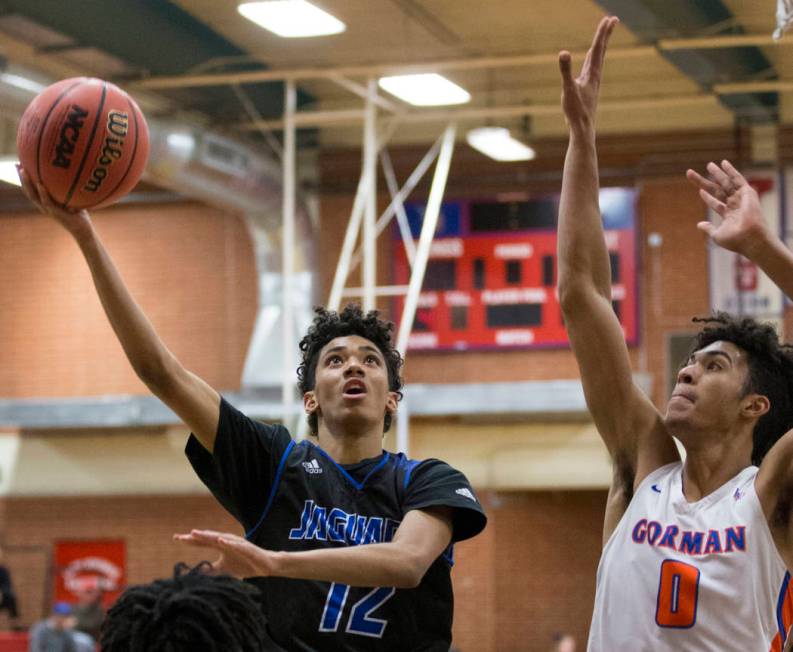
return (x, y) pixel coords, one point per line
(8, 170)
(22, 83)
(497, 143)
(426, 89)
(291, 18)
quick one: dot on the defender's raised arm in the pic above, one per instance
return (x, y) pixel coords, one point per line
(742, 228)
(624, 416)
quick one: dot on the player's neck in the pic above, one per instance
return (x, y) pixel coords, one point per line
(350, 445)
(709, 467)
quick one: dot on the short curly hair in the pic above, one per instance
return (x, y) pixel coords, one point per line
(770, 371)
(327, 326)
(193, 610)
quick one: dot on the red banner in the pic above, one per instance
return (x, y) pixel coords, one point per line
(84, 565)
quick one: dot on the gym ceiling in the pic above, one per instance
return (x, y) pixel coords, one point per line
(674, 65)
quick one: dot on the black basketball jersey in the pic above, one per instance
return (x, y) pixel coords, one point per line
(292, 496)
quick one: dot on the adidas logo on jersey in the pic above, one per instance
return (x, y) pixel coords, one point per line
(312, 467)
(465, 491)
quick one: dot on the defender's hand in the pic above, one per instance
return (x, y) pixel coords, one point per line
(238, 557)
(727, 192)
(73, 221)
(580, 95)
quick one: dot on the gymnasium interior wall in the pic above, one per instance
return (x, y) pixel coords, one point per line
(532, 572)
(529, 575)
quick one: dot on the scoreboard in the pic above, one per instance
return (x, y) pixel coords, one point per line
(490, 281)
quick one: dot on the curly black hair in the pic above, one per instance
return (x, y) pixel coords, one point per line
(770, 371)
(328, 325)
(192, 611)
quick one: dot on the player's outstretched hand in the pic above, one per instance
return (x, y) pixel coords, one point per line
(238, 556)
(72, 221)
(729, 194)
(580, 95)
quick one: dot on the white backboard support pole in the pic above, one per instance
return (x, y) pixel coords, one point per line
(288, 255)
(370, 212)
(425, 240)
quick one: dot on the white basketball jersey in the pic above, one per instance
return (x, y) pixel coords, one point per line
(690, 577)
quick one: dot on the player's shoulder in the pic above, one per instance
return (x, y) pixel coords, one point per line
(234, 418)
(431, 468)
(663, 475)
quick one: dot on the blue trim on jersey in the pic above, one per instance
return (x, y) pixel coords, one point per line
(779, 604)
(353, 482)
(448, 554)
(411, 464)
(274, 488)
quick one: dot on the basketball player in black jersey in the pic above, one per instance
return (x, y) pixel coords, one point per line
(355, 542)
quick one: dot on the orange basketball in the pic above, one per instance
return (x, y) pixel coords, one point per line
(85, 140)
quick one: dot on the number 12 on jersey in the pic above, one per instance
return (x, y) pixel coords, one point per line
(360, 621)
(678, 590)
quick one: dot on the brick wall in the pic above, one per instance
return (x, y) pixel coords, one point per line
(190, 267)
(529, 575)
(32, 525)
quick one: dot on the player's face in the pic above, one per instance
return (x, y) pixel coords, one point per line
(351, 384)
(709, 394)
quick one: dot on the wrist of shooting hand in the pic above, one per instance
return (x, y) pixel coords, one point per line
(582, 131)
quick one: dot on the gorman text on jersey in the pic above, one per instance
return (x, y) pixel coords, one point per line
(335, 524)
(653, 533)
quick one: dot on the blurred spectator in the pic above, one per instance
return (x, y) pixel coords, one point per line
(564, 643)
(54, 634)
(83, 642)
(89, 614)
(191, 611)
(8, 599)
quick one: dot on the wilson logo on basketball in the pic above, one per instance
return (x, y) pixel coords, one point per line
(70, 132)
(117, 128)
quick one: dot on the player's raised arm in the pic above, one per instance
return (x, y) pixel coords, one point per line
(196, 403)
(624, 416)
(742, 228)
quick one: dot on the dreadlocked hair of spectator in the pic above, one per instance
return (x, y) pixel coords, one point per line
(329, 325)
(770, 372)
(192, 611)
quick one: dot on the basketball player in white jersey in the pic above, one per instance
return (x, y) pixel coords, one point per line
(696, 553)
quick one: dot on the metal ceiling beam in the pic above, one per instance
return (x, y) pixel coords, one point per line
(320, 118)
(478, 63)
(714, 42)
(297, 74)
(771, 86)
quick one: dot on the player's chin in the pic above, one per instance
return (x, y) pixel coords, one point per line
(677, 421)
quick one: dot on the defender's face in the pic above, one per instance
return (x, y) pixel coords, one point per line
(709, 389)
(351, 382)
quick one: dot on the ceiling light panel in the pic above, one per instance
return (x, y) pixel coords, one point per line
(427, 89)
(8, 170)
(292, 18)
(498, 144)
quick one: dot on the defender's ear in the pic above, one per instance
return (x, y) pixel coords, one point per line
(755, 406)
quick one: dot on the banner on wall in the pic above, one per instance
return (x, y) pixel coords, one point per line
(737, 285)
(88, 564)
